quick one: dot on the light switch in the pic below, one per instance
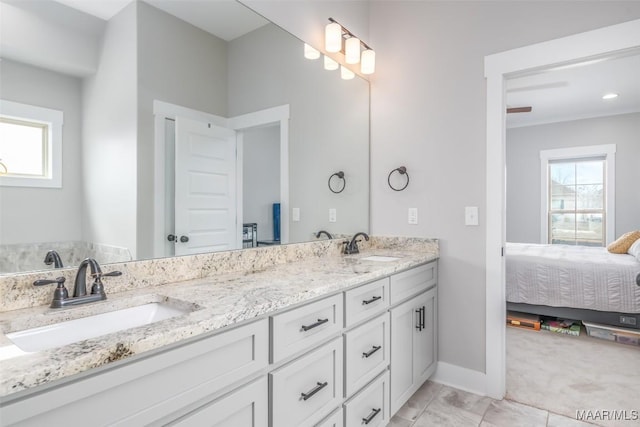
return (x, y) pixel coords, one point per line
(332, 215)
(471, 215)
(413, 216)
(295, 214)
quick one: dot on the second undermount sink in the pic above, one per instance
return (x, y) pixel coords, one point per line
(63, 333)
(380, 258)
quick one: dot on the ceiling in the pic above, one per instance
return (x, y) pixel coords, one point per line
(226, 19)
(575, 92)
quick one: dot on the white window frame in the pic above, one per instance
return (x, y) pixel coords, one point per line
(54, 119)
(608, 151)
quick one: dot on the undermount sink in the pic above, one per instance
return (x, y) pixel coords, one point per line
(63, 333)
(380, 258)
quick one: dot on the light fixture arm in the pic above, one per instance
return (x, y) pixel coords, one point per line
(346, 32)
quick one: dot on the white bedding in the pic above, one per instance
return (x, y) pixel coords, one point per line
(572, 276)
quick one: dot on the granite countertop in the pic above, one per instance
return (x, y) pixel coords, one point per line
(217, 302)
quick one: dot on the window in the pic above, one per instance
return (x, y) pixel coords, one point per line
(578, 195)
(30, 146)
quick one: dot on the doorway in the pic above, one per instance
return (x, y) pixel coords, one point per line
(589, 46)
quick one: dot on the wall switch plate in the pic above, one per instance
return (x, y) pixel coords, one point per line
(295, 214)
(332, 215)
(471, 215)
(413, 216)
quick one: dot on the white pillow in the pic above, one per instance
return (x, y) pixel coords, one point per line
(635, 249)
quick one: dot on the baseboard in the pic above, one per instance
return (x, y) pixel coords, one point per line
(460, 378)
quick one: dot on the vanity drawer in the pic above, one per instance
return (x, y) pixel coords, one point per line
(307, 389)
(366, 350)
(370, 407)
(303, 327)
(336, 419)
(414, 281)
(366, 301)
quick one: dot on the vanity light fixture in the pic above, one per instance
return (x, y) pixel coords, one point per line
(355, 50)
(609, 96)
(310, 52)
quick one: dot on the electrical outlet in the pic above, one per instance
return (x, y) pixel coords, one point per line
(332, 215)
(413, 216)
(295, 214)
(471, 215)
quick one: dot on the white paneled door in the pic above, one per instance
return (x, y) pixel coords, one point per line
(205, 188)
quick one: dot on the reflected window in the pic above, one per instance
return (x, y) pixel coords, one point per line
(30, 145)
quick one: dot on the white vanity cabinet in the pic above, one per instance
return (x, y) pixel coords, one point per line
(351, 358)
(413, 338)
(155, 389)
(246, 407)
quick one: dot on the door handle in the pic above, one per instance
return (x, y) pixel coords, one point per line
(370, 352)
(371, 416)
(374, 299)
(171, 237)
(315, 325)
(419, 320)
(422, 316)
(184, 239)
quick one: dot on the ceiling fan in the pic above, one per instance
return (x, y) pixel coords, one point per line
(518, 110)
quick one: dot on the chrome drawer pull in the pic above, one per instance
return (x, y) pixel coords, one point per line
(318, 323)
(371, 416)
(374, 299)
(373, 350)
(316, 389)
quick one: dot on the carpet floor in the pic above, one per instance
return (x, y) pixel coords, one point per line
(565, 374)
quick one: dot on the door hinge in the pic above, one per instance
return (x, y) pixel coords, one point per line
(502, 251)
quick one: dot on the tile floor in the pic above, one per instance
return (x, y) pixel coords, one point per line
(438, 405)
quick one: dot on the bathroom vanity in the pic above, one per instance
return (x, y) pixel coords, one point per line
(323, 340)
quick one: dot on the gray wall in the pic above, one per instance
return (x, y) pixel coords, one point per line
(260, 177)
(319, 141)
(523, 169)
(180, 64)
(29, 214)
(109, 154)
(429, 113)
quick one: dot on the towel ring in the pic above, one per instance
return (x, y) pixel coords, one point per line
(402, 171)
(3, 169)
(340, 175)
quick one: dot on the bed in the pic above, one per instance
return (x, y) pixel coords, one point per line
(576, 282)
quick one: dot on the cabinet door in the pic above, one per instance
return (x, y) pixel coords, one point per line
(424, 347)
(245, 407)
(404, 320)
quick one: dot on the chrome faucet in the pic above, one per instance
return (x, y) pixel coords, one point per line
(61, 295)
(321, 232)
(352, 246)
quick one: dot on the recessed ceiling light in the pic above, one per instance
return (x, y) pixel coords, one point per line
(610, 96)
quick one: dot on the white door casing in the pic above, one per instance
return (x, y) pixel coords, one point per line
(205, 187)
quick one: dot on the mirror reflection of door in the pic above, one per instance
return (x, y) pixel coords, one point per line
(201, 207)
(261, 181)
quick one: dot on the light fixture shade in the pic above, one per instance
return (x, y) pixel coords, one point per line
(310, 52)
(368, 65)
(352, 50)
(330, 64)
(333, 37)
(346, 73)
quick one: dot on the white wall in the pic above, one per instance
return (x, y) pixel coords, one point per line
(109, 152)
(523, 169)
(180, 64)
(29, 214)
(328, 126)
(260, 177)
(51, 36)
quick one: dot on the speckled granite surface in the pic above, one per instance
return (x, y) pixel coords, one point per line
(222, 289)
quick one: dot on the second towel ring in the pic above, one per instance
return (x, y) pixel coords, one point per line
(402, 171)
(340, 175)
